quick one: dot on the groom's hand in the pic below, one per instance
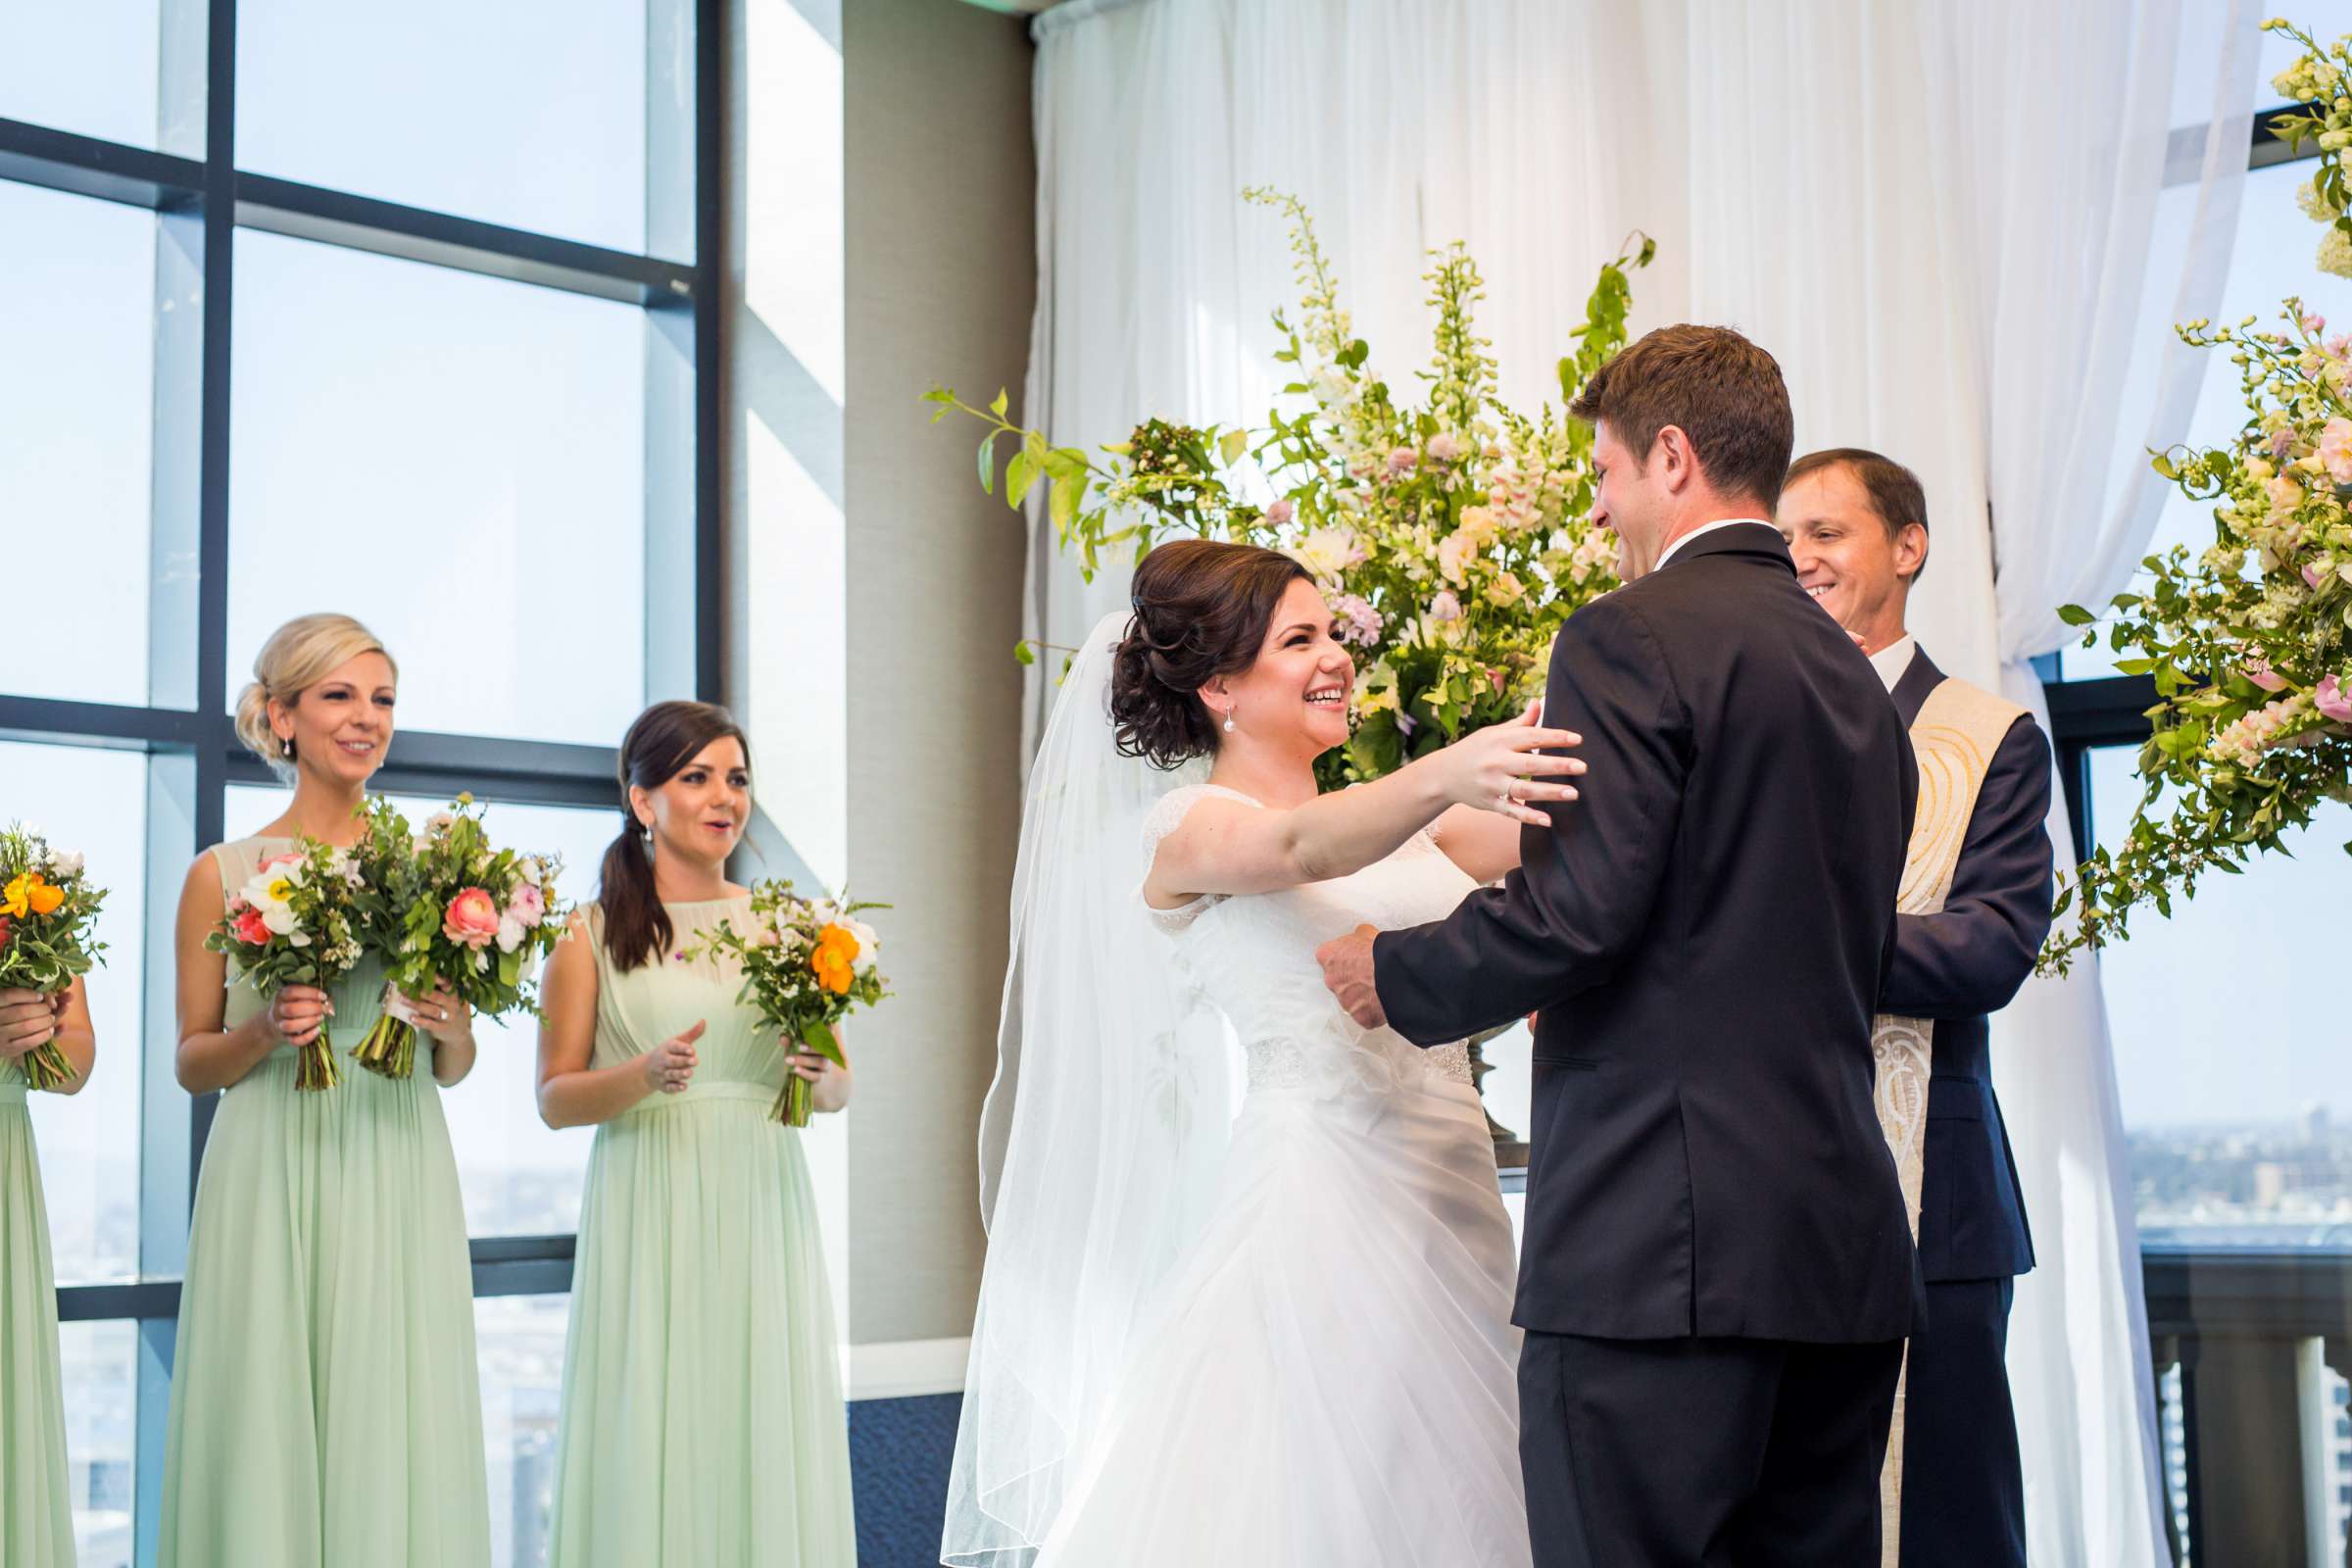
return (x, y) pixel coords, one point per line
(1348, 970)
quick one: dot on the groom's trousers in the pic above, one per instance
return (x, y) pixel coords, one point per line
(1703, 1452)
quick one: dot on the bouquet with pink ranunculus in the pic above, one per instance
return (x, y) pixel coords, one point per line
(298, 921)
(1450, 540)
(460, 912)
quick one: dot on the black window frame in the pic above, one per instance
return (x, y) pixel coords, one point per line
(191, 747)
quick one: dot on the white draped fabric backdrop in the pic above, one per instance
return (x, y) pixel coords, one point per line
(1938, 218)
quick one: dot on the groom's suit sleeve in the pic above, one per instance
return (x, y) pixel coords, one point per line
(1574, 909)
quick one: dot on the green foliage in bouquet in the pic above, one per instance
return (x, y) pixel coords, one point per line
(1452, 539)
(806, 964)
(455, 911)
(48, 919)
(2249, 642)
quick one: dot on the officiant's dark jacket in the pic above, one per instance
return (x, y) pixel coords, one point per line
(1706, 932)
(1955, 968)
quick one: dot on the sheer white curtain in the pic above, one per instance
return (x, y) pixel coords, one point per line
(1403, 124)
(1937, 218)
(2060, 188)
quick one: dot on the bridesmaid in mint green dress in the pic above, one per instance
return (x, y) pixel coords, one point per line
(325, 1408)
(703, 1424)
(36, 1509)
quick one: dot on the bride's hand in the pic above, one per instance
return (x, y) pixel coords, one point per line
(1502, 769)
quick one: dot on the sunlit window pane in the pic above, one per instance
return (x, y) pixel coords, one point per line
(458, 460)
(101, 1365)
(2229, 1035)
(520, 1346)
(88, 68)
(77, 395)
(95, 802)
(528, 113)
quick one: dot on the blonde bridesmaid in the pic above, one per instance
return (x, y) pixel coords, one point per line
(324, 1406)
(703, 1424)
(36, 1509)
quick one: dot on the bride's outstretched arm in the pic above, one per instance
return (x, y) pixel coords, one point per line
(1227, 846)
(1571, 916)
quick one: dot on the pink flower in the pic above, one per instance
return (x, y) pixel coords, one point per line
(1495, 676)
(1281, 512)
(528, 905)
(2284, 495)
(2335, 449)
(1444, 607)
(250, 927)
(1358, 622)
(1402, 458)
(2259, 673)
(1445, 446)
(2332, 699)
(277, 861)
(2315, 324)
(2282, 443)
(2313, 577)
(473, 918)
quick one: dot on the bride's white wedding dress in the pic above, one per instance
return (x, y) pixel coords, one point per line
(1329, 1376)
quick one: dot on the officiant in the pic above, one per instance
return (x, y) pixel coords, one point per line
(1856, 524)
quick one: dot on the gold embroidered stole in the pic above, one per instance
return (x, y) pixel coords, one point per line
(1958, 729)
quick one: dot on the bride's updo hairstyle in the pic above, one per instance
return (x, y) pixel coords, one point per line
(1202, 610)
(298, 655)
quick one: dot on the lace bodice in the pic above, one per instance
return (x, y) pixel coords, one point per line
(1254, 957)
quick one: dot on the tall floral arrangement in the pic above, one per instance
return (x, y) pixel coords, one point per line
(2248, 640)
(1450, 537)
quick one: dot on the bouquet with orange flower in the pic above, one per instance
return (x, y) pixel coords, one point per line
(458, 912)
(806, 963)
(48, 910)
(297, 923)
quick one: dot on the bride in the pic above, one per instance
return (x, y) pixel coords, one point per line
(1280, 1337)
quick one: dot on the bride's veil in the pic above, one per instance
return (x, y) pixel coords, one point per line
(1100, 1136)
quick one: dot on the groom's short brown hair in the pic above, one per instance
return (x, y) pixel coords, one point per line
(1722, 391)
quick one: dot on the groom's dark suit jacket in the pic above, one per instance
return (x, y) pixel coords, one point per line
(1956, 966)
(1706, 932)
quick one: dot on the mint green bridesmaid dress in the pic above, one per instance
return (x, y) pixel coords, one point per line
(703, 1423)
(325, 1404)
(36, 1511)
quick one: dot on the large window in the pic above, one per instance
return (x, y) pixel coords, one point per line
(404, 312)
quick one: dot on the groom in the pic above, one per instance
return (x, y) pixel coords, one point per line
(1717, 1271)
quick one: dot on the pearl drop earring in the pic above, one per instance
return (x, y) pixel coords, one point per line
(1230, 727)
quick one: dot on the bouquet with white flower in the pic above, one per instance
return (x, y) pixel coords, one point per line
(458, 912)
(48, 914)
(806, 963)
(297, 922)
(1452, 539)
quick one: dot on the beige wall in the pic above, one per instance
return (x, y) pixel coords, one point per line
(941, 281)
(880, 238)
